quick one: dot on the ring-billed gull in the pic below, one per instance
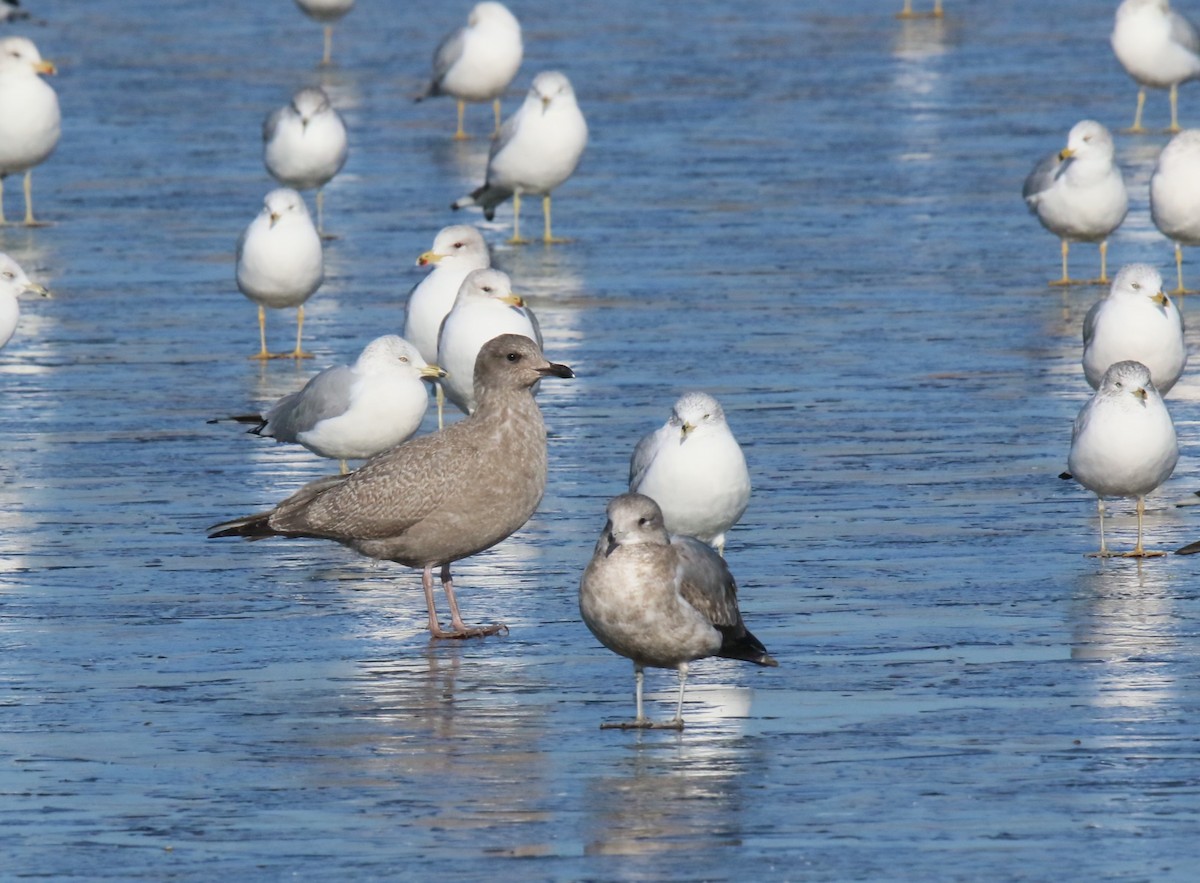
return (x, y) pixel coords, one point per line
(13, 283)
(478, 61)
(693, 467)
(1158, 47)
(353, 412)
(485, 306)
(538, 149)
(279, 263)
(907, 11)
(1135, 322)
(1175, 196)
(30, 121)
(1123, 443)
(437, 498)
(660, 600)
(1079, 193)
(304, 144)
(326, 12)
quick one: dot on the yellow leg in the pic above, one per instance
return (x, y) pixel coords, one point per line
(1103, 553)
(440, 398)
(1174, 109)
(516, 237)
(907, 11)
(3, 220)
(937, 9)
(1179, 269)
(327, 57)
(298, 353)
(1066, 278)
(547, 236)
(345, 467)
(496, 111)
(460, 134)
(1103, 280)
(1136, 128)
(262, 334)
(1139, 550)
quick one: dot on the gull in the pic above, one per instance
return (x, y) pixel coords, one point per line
(436, 498)
(30, 122)
(304, 144)
(693, 467)
(1123, 443)
(279, 263)
(485, 306)
(1079, 193)
(1175, 195)
(1158, 47)
(661, 600)
(538, 149)
(456, 251)
(1137, 322)
(353, 412)
(478, 61)
(326, 12)
(10, 10)
(907, 11)
(13, 282)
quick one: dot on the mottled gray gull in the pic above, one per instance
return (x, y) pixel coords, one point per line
(693, 467)
(661, 600)
(13, 282)
(30, 120)
(437, 498)
(1123, 444)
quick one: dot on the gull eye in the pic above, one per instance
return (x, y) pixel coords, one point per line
(404, 359)
(513, 357)
(459, 244)
(488, 289)
(642, 522)
(1137, 286)
(9, 274)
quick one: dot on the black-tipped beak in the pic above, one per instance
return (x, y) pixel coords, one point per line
(557, 370)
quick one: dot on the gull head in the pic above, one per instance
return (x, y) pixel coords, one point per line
(1088, 140)
(633, 519)
(491, 14)
(549, 86)
(1128, 378)
(283, 203)
(458, 243)
(19, 54)
(1138, 281)
(391, 351)
(696, 411)
(310, 102)
(489, 284)
(512, 362)
(13, 280)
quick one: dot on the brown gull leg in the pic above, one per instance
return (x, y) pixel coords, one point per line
(458, 628)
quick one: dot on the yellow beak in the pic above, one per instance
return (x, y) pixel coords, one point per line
(429, 257)
(512, 300)
(1161, 299)
(432, 372)
(1140, 393)
(39, 290)
(1065, 154)
(45, 67)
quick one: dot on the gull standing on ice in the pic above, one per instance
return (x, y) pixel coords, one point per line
(1123, 443)
(485, 307)
(304, 144)
(1175, 195)
(441, 497)
(1079, 193)
(353, 412)
(326, 12)
(279, 263)
(660, 600)
(538, 149)
(1158, 47)
(1135, 322)
(13, 282)
(30, 121)
(693, 467)
(477, 62)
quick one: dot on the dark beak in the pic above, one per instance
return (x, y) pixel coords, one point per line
(557, 370)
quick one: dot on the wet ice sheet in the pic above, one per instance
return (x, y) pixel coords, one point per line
(820, 223)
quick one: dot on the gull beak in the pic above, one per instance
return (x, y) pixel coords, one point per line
(687, 430)
(545, 103)
(1140, 393)
(556, 370)
(612, 544)
(430, 257)
(432, 372)
(274, 218)
(513, 300)
(39, 290)
(1065, 154)
(1161, 299)
(45, 67)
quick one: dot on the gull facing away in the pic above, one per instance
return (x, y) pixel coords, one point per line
(1123, 444)
(478, 61)
(30, 121)
(907, 11)
(538, 149)
(280, 264)
(1159, 48)
(304, 144)
(1175, 196)
(13, 283)
(437, 498)
(1079, 194)
(661, 601)
(1135, 322)
(693, 467)
(485, 306)
(326, 12)
(353, 412)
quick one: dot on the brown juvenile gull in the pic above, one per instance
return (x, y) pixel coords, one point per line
(437, 498)
(661, 600)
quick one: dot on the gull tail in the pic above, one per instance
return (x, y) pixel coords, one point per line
(486, 197)
(251, 527)
(258, 420)
(738, 643)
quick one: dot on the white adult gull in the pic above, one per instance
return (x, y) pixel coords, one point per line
(1079, 194)
(1159, 48)
(478, 61)
(305, 144)
(13, 283)
(1137, 322)
(1123, 444)
(30, 121)
(279, 263)
(485, 306)
(693, 467)
(538, 149)
(353, 412)
(662, 601)
(1175, 196)
(326, 12)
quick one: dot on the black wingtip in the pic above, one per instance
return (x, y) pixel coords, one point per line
(738, 643)
(1065, 476)
(1189, 549)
